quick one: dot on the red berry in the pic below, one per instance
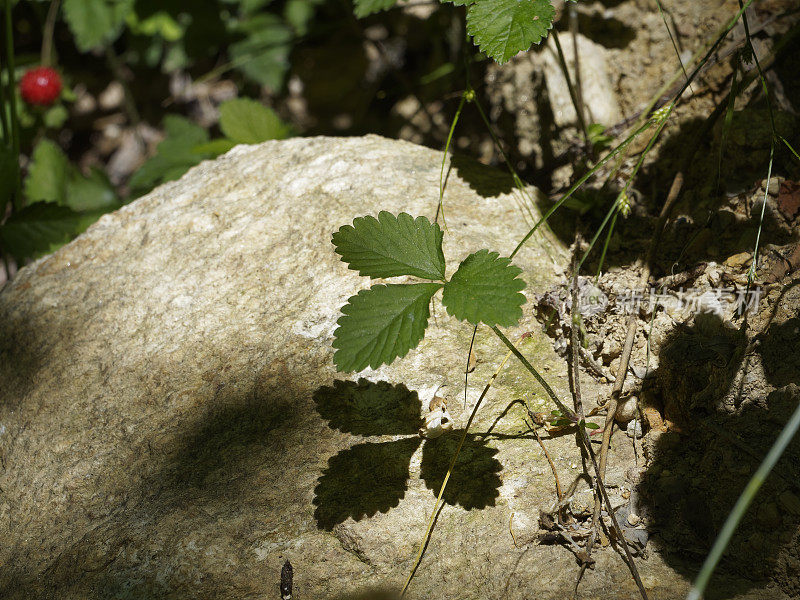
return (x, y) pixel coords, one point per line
(40, 86)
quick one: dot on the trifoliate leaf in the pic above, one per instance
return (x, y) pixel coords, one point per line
(39, 228)
(363, 8)
(95, 22)
(246, 121)
(381, 324)
(503, 28)
(485, 288)
(390, 246)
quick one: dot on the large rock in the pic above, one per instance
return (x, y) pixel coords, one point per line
(171, 424)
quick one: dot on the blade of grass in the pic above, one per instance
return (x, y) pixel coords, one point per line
(605, 247)
(440, 207)
(432, 520)
(611, 154)
(584, 438)
(739, 509)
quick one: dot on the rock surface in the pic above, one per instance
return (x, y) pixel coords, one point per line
(171, 424)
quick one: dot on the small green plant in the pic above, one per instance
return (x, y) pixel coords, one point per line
(387, 320)
(500, 28)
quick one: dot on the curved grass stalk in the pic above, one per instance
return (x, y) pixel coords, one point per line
(440, 207)
(605, 247)
(611, 154)
(751, 273)
(612, 212)
(739, 509)
(726, 123)
(671, 38)
(432, 520)
(517, 179)
(789, 146)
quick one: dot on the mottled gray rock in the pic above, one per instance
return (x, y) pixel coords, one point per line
(171, 425)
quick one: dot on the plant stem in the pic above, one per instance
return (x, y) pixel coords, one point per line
(587, 446)
(435, 511)
(47, 33)
(12, 101)
(573, 96)
(440, 207)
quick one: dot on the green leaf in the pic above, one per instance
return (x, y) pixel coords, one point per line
(38, 228)
(95, 22)
(174, 155)
(214, 147)
(503, 28)
(246, 121)
(390, 246)
(55, 117)
(47, 174)
(263, 55)
(485, 288)
(363, 8)
(381, 324)
(298, 13)
(93, 194)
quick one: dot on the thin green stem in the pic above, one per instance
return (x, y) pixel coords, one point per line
(561, 406)
(12, 99)
(440, 207)
(573, 96)
(47, 33)
(579, 183)
(739, 509)
(432, 520)
(671, 38)
(517, 179)
(611, 213)
(751, 274)
(3, 104)
(605, 247)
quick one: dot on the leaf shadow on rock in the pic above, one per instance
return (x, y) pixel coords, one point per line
(489, 182)
(363, 480)
(475, 480)
(367, 408)
(727, 422)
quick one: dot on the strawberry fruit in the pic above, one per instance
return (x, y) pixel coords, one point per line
(40, 86)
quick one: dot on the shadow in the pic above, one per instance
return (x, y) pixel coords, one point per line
(363, 480)
(489, 182)
(236, 434)
(780, 352)
(367, 408)
(606, 31)
(475, 479)
(723, 429)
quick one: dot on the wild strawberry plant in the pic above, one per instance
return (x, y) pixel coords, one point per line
(500, 28)
(385, 321)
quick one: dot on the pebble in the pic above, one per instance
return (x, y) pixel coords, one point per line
(634, 429)
(634, 519)
(626, 410)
